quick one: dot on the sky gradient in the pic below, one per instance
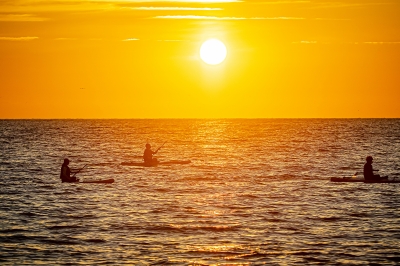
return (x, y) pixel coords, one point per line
(140, 59)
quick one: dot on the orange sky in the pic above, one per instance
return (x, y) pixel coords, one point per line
(140, 59)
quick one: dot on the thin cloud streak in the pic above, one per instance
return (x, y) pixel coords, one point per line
(346, 5)
(21, 17)
(18, 38)
(151, 8)
(224, 18)
(382, 42)
(28, 6)
(284, 2)
(76, 5)
(130, 40)
(306, 42)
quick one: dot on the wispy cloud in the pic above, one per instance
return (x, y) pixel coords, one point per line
(33, 6)
(346, 4)
(21, 17)
(306, 42)
(224, 18)
(284, 2)
(130, 40)
(382, 42)
(198, 17)
(18, 38)
(154, 8)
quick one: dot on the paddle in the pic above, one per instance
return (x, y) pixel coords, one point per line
(159, 147)
(79, 170)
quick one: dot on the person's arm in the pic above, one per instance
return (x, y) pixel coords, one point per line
(372, 169)
(158, 148)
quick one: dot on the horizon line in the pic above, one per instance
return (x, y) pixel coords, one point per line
(203, 118)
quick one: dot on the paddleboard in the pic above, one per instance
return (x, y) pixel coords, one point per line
(104, 181)
(155, 163)
(349, 179)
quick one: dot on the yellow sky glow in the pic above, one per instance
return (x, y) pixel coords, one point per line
(140, 59)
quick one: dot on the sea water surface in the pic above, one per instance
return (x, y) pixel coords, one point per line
(257, 192)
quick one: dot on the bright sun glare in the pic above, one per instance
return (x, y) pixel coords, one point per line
(213, 52)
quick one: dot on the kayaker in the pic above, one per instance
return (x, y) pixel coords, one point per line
(369, 171)
(148, 154)
(65, 174)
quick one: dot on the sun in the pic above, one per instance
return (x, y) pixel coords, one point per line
(213, 52)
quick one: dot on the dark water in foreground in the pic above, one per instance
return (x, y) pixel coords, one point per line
(257, 192)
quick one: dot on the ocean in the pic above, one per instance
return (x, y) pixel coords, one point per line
(256, 192)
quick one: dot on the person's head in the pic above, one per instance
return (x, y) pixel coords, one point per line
(66, 161)
(369, 159)
(148, 146)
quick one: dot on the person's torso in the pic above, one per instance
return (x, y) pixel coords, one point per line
(65, 172)
(368, 170)
(148, 155)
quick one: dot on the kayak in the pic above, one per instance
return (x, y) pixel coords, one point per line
(155, 163)
(350, 179)
(104, 181)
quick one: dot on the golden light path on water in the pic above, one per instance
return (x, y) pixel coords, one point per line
(255, 192)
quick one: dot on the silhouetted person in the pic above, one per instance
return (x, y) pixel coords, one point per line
(65, 174)
(148, 155)
(369, 171)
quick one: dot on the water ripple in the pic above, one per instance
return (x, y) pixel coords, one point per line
(257, 192)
